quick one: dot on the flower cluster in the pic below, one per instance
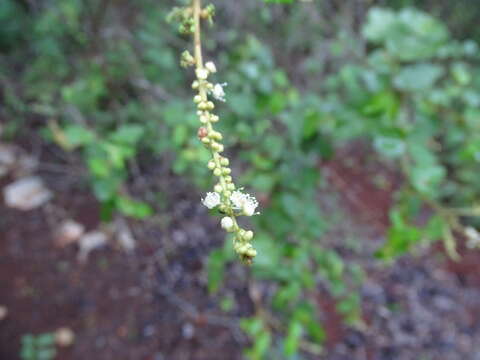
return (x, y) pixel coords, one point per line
(229, 200)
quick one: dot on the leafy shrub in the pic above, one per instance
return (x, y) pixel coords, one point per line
(118, 98)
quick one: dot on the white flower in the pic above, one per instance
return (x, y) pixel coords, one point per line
(211, 200)
(218, 92)
(473, 237)
(202, 74)
(210, 66)
(227, 223)
(245, 202)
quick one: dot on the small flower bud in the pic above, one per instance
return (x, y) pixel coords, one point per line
(226, 171)
(218, 188)
(202, 132)
(197, 99)
(211, 165)
(224, 161)
(203, 119)
(210, 105)
(220, 148)
(203, 105)
(244, 249)
(231, 186)
(248, 235)
(217, 172)
(205, 140)
(202, 74)
(227, 223)
(210, 66)
(251, 252)
(214, 118)
(195, 84)
(187, 59)
(228, 179)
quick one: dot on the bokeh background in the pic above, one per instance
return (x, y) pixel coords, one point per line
(356, 124)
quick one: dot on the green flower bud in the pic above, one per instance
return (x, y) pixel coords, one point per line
(243, 249)
(231, 186)
(220, 148)
(226, 171)
(197, 99)
(248, 235)
(218, 188)
(224, 161)
(251, 252)
(203, 105)
(210, 105)
(195, 84)
(228, 179)
(217, 172)
(215, 146)
(212, 165)
(205, 140)
(214, 118)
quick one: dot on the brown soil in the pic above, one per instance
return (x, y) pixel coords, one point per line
(153, 304)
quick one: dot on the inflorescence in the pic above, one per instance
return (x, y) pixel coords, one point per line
(229, 200)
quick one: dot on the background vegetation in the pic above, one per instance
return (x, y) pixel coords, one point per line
(101, 80)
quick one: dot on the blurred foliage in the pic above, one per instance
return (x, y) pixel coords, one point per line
(101, 79)
(38, 347)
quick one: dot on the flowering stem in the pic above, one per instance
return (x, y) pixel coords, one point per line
(230, 201)
(197, 8)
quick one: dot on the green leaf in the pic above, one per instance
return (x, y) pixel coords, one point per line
(47, 339)
(46, 354)
(408, 35)
(27, 353)
(389, 146)
(105, 189)
(400, 238)
(379, 24)
(418, 77)
(136, 209)
(427, 179)
(77, 135)
(292, 340)
(99, 167)
(384, 103)
(215, 270)
(262, 344)
(180, 135)
(461, 73)
(127, 134)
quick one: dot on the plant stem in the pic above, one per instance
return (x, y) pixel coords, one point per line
(197, 8)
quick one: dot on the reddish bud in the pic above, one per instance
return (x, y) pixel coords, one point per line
(202, 132)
